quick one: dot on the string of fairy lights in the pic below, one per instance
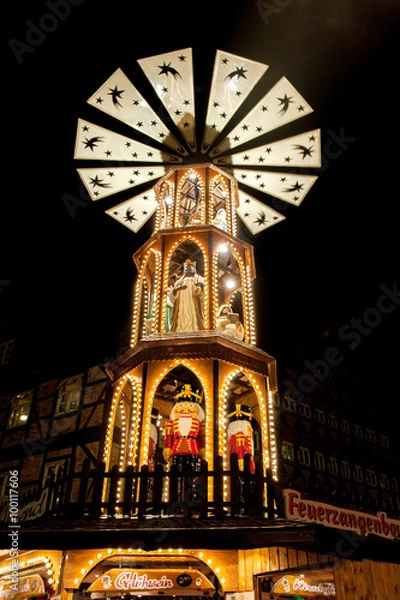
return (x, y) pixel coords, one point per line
(191, 555)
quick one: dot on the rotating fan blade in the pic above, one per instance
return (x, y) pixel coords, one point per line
(135, 212)
(256, 215)
(119, 98)
(96, 143)
(102, 182)
(302, 150)
(233, 79)
(291, 188)
(171, 76)
(281, 105)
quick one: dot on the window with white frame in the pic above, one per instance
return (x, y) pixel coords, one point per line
(333, 465)
(370, 477)
(358, 474)
(277, 400)
(20, 409)
(287, 450)
(384, 440)
(332, 421)
(384, 481)
(304, 410)
(289, 403)
(319, 461)
(357, 430)
(345, 469)
(69, 395)
(55, 469)
(370, 435)
(345, 425)
(319, 416)
(303, 454)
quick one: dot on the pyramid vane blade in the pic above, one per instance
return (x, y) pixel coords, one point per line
(119, 98)
(101, 182)
(97, 143)
(135, 212)
(302, 150)
(280, 106)
(233, 79)
(291, 188)
(255, 215)
(171, 76)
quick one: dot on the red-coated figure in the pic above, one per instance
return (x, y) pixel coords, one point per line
(184, 434)
(240, 434)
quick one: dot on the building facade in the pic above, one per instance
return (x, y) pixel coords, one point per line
(178, 469)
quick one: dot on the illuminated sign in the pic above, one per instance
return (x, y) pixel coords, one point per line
(23, 588)
(298, 508)
(148, 581)
(303, 586)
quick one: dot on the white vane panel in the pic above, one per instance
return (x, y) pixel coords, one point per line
(102, 182)
(302, 150)
(135, 212)
(233, 79)
(94, 143)
(281, 105)
(285, 186)
(119, 163)
(171, 76)
(119, 98)
(256, 215)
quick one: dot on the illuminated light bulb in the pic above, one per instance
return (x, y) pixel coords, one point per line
(76, 581)
(99, 555)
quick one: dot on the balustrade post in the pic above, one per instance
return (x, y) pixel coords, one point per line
(235, 485)
(218, 487)
(128, 491)
(98, 489)
(112, 494)
(83, 485)
(143, 490)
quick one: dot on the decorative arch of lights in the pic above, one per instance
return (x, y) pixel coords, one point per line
(247, 148)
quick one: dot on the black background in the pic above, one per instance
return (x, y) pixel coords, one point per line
(66, 278)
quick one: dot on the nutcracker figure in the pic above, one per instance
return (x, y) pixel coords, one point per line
(240, 434)
(184, 440)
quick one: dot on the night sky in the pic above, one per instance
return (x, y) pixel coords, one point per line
(327, 276)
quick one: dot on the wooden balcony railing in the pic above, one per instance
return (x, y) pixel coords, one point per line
(98, 493)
